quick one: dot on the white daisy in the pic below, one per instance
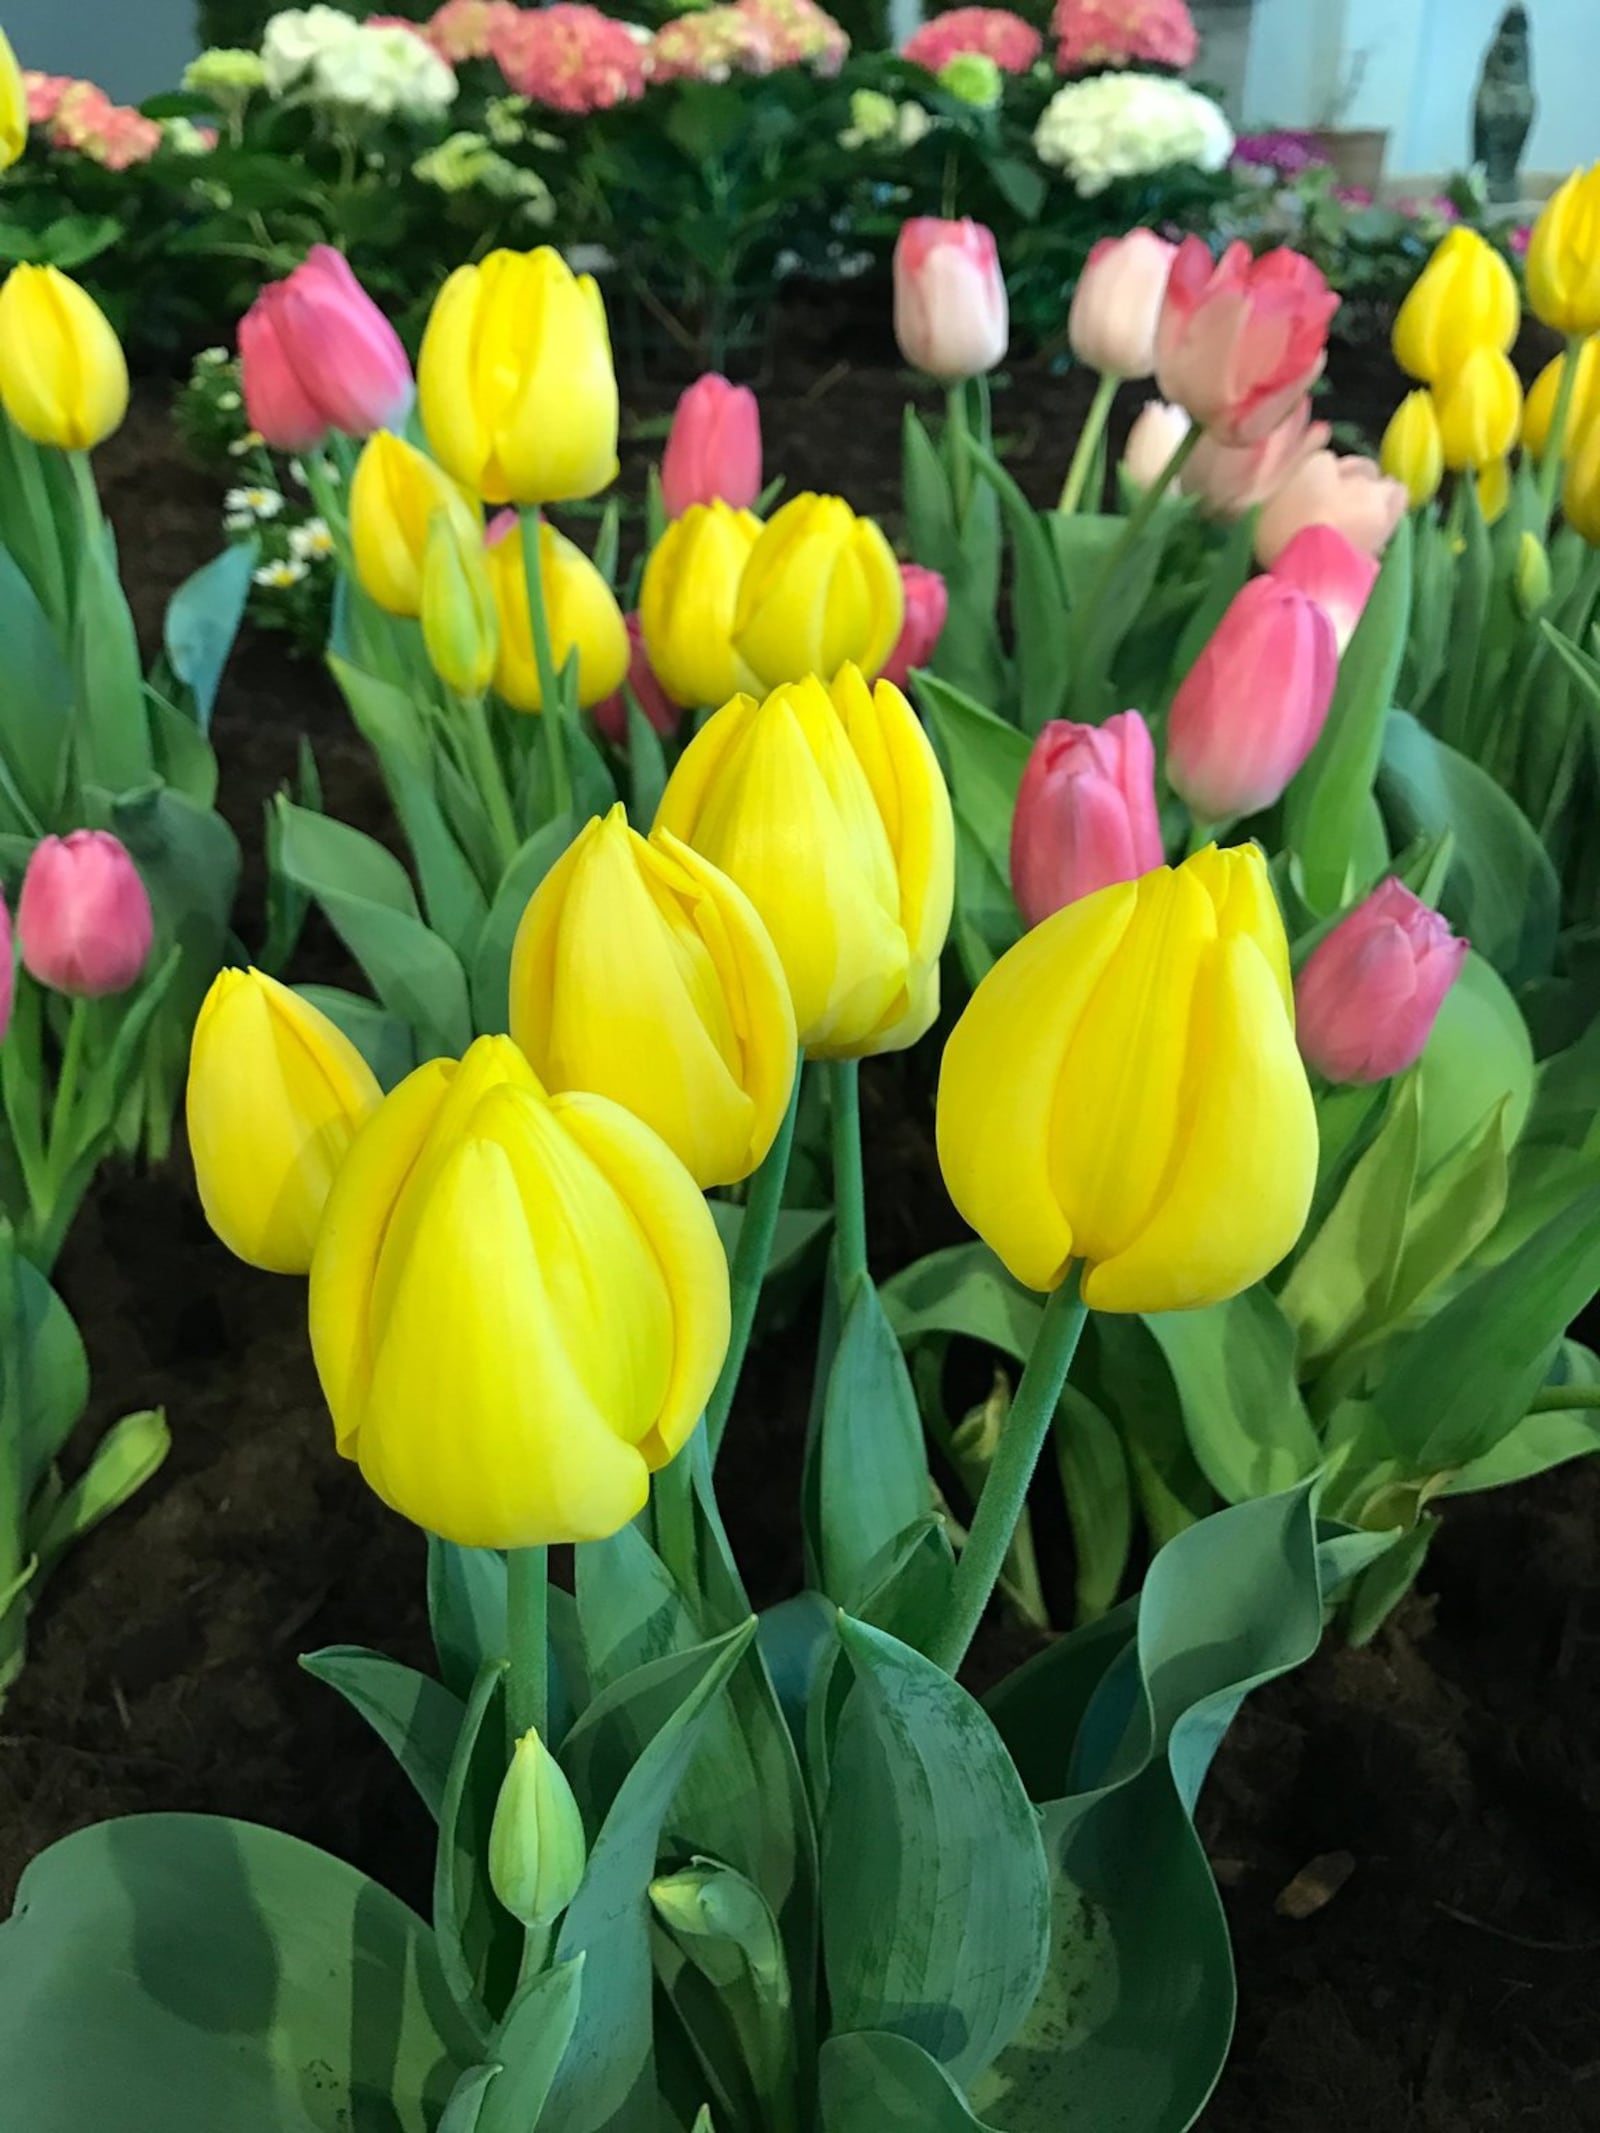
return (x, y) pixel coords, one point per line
(311, 542)
(228, 402)
(251, 441)
(212, 357)
(239, 521)
(280, 576)
(260, 503)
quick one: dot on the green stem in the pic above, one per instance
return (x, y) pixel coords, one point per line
(749, 1269)
(1005, 1492)
(1553, 1398)
(1200, 835)
(849, 1188)
(490, 777)
(1550, 471)
(676, 1540)
(958, 436)
(550, 691)
(1094, 428)
(1082, 654)
(59, 1159)
(527, 1644)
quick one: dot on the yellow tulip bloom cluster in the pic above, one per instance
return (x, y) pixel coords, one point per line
(13, 106)
(1454, 331)
(63, 377)
(1564, 290)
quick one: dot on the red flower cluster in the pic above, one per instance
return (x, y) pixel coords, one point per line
(994, 32)
(569, 57)
(1123, 33)
(79, 116)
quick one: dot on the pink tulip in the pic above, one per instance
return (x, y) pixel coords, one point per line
(1230, 479)
(714, 449)
(927, 605)
(1241, 340)
(84, 917)
(1333, 572)
(317, 355)
(1248, 712)
(8, 970)
(1366, 1001)
(611, 716)
(950, 314)
(1117, 303)
(1157, 432)
(1332, 490)
(1086, 813)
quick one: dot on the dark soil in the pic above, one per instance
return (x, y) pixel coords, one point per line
(1452, 1981)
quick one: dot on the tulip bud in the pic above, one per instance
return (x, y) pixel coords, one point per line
(1086, 813)
(714, 447)
(611, 714)
(725, 1925)
(950, 314)
(84, 918)
(1412, 451)
(1366, 1000)
(460, 626)
(1240, 340)
(8, 970)
(276, 1095)
(821, 590)
(1331, 489)
(13, 106)
(1332, 571)
(1156, 1018)
(689, 598)
(580, 609)
(1580, 485)
(63, 378)
(927, 604)
(509, 343)
(395, 495)
(1117, 304)
(1229, 480)
(830, 812)
(316, 354)
(1464, 298)
(1563, 262)
(1538, 411)
(1493, 486)
(545, 1271)
(1157, 432)
(1480, 409)
(1248, 712)
(537, 1849)
(1532, 582)
(644, 974)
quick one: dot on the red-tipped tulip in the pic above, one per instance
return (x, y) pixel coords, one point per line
(1117, 303)
(1241, 339)
(316, 354)
(84, 917)
(1248, 712)
(1332, 571)
(950, 314)
(927, 605)
(1366, 1000)
(714, 448)
(1228, 480)
(611, 715)
(1330, 489)
(1086, 813)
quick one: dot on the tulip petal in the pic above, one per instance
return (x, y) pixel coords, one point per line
(458, 435)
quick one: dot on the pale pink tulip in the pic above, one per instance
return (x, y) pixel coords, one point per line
(1331, 489)
(1117, 303)
(1228, 480)
(316, 354)
(714, 448)
(84, 918)
(1366, 1001)
(950, 314)
(927, 604)
(1241, 339)
(1086, 813)
(611, 715)
(1156, 434)
(1248, 712)
(1333, 572)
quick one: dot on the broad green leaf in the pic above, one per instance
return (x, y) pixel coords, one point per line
(935, 1902)
(386, 1042)
(629, 1607)
(418, 1720)
(1234, 1367)
(1099, 1494)
(1343, 1284)
(871, 1469)
(202, 621)
(466, 1609)
(1538, 1443)
(530, 2045)
(963, 1289)
(1478, 1060)
(1038, 600)
(465, 1918)
(325, 854)
(44, 1372)
(1140, 1395)
(1473, 576)
(126, 1457)
(984, 758)
(1452, 1214)
(647, 768)
(113, 731)
(464, 2112)
(491, 958)
(876, 2082)
(36, 704)
(1378, 1591)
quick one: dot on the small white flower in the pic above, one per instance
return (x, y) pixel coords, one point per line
(251, 441)
(297, 472)
(260, 503)
(212, 358)
(239, 521)
(228, 402)
(280, 576)
(311, 542)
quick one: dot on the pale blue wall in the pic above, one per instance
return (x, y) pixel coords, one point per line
(132, 48)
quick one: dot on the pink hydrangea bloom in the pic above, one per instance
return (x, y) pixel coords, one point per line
(464, 29)
(799, 33)
(1122, 33)
(995, 32)
(86, 120)
(569, 57)
(45, 92)
(396, 22)
(711, 45)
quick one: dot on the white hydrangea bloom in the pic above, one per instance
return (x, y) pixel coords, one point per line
(295, 39)
(384, 71)
(1126, 125)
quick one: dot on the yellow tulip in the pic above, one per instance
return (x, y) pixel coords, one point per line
(395, 494)
(1480, 410)
(519, 1305)
(1539, 409)
(643, 973)
(515, 382)
(580, 610)
(1531, 586)
(1563, 263)
(1412, 452)
(1493, 483)
(688, 599)
(1124, 1091)
(63, 379)
(460, 626)
(1580, 490)
(830, 812)
(1464, 298)
(276, 1095)
(13, 106)
(821, 591)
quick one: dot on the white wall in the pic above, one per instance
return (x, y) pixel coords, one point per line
(132, 48)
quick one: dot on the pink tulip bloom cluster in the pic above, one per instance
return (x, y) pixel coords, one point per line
(1368, 997)
(79, 116)
(993, 32)
(569, 57)
(83, 920)
(1242, 340)
(316, 354)
(463, 30)
(927, 601)
(1123, 33)
(950, 311)
(1086, 813)
(714, 447)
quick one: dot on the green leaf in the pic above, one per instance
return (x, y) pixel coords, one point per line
(530, 2045)
(1038, 599)
(418, 1720)
(1378, 1591)
(1326, 801)
(1099, 1494)
(963, 1289)
(386, 1042)
(1537, 1443)
(1141, 1393)
(113, 734)
(1478, 1062)
(935, 1898)
(36, 704)
(44, 1373)
(228, 1976)
(871, 1468)
(647, 768)
(126, 1457)
(1452, 1214)
(465, 1919)
(491, 958)
(1234, 1367)
(1344, 1282)
(202, 621)
(466, 1609)
(874, 2082)
(984, 759)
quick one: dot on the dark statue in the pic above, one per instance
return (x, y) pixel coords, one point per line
(1503, 112)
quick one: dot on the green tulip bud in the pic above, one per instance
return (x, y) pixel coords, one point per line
(1532, 583)
(537, 1851)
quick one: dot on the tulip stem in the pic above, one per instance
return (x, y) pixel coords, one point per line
(849, 1188)
(550, 690)
(1005, 1492)
(1094, 428)
(490, 778)
(527, 1643)
(958, 433)
(1550, 471)
(749, 1269)
(59, 1159)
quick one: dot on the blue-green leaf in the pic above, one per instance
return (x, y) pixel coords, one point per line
(418, 1720)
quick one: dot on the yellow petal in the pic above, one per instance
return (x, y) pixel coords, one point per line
(63, 378)
(458, 434)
